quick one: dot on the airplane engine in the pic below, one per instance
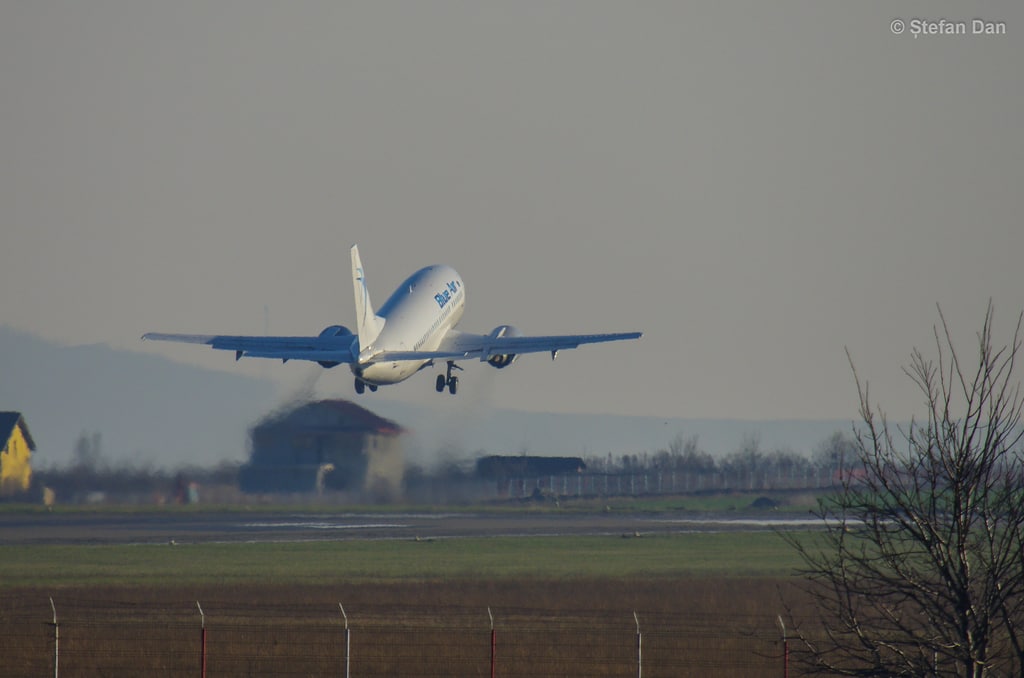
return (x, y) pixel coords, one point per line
(501, 361)
(329, 332)
(335, 331)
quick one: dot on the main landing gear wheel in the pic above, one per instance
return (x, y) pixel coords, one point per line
(448, 380)
(360, 386)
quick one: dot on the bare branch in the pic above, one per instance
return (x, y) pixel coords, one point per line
(919, 568)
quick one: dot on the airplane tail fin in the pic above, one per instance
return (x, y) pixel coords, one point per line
(368, 323)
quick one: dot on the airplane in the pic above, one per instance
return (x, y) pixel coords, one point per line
(414, 328)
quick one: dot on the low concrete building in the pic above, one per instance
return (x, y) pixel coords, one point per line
(325, 445)
(505, 467)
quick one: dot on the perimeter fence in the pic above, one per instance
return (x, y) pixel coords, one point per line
(82, 637)
(658, 483)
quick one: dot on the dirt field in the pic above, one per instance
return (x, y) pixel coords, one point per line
(688, 627)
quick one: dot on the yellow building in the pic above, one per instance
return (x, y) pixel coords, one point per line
(16, 456)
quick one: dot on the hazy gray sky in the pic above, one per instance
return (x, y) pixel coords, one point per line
(754, 185)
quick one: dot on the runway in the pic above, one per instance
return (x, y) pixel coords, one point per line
(152, 527)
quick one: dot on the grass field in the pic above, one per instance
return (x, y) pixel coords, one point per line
(562, 606)
(694, 555)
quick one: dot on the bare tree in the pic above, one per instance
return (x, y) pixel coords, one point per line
(836, 451)
(89, 452)
(748, 458)
(920, 568)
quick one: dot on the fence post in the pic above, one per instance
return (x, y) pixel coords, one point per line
(639, 648)
(202, 641)
(348, 639)
(56, 641)
(494, 643)
(785, 649)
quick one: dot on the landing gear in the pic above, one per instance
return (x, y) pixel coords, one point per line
(448, 380)
(361, 386)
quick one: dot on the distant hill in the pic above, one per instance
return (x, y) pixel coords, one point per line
(150, 410)
(147, 409)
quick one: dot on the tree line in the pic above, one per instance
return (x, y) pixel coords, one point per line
(684, 454)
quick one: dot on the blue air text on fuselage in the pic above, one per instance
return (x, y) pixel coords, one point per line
(447, 294)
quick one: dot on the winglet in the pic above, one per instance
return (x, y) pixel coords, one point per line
(368, 323)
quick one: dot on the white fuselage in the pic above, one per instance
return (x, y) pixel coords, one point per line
(416, 317)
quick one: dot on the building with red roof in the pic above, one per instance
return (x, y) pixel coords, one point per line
(325, 445)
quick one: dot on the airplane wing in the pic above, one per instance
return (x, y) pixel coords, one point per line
(340, 349)
(335, 349)
(485, 346)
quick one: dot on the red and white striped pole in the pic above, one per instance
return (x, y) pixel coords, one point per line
(639, 648)
(56, 641)
(494, 644)
(785, 649)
